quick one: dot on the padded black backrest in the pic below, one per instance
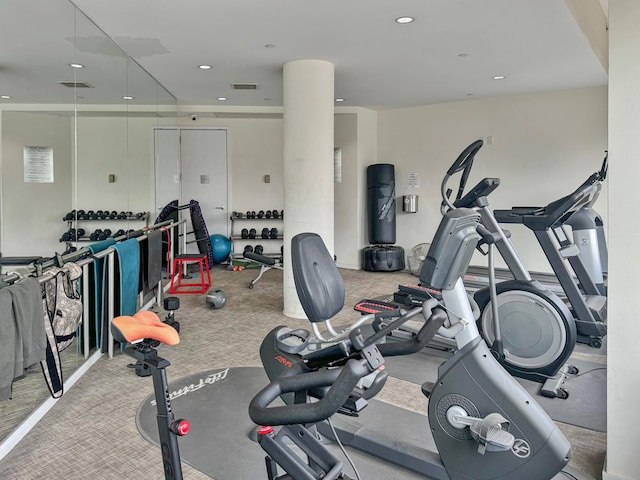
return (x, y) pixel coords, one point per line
(318, 283)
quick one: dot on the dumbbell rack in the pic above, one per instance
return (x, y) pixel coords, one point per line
(271, 245)
(73, 224)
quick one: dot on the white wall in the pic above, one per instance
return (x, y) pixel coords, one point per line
(544, 146)
(255, 150)
(623, 380)
(119, 146)
(345, 195)
(32, 212)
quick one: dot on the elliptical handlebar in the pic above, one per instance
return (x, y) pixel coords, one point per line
(463, 163)
(465, 159)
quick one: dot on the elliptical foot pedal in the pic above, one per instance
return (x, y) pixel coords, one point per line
(377, 308)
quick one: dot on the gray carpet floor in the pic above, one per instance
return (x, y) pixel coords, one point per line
(91, 431)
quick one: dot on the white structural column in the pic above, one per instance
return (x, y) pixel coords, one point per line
(623, 354)
(308, 161)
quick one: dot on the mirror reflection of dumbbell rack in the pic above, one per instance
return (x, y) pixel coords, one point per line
(75, 233)
(249, 230)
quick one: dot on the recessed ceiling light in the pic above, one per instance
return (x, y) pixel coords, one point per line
(6, 97)
(499, 77)
(222, 99)
(270, 45)
(127, 97)
(204, 67)
(404, 19)
(339, 99)
(469, 94)
(76, 65)
(462, 55)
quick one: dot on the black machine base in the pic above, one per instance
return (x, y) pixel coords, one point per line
(383, 258)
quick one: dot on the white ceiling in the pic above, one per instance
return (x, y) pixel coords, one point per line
(379, 64)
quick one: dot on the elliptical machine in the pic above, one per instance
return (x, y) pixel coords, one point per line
(587, 297)
(528, 328)
(483, 424)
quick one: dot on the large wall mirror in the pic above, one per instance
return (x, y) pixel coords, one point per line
(77, 120)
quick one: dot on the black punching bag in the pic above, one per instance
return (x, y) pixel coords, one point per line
(381, 203)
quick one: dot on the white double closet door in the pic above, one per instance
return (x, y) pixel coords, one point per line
(192, 164)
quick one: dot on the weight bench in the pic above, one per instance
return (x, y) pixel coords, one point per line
(266, 263)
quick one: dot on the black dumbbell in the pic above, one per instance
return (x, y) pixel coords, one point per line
(90, 215)
(261, 214)
(267, 214)
(81, 232)
(70, 216)
(248, 249)
(275, 214)
(258, 249)
(244, 233)
(119, 233)
(94, 236)
(171, 304)
(281, 213)
(273, 233)
(265, 232)
(253, 214)
(107, 231)
(248, 214)
(252, 233)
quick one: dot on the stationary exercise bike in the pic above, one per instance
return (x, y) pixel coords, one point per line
(483, 424)
(144, 331)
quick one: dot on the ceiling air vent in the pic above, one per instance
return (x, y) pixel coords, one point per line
(244, 86)
(76, 84)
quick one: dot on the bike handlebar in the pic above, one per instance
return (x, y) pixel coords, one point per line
(342, 381)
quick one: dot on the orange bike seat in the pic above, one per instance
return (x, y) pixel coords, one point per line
(144, 324)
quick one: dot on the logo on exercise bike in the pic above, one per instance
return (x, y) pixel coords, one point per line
(521, 448)
(284, 361)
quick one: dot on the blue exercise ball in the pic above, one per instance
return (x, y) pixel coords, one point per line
(221, 247)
